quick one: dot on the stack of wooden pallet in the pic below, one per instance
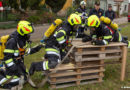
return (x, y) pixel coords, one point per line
(87, 65)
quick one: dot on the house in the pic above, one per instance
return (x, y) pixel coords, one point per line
(122, 3)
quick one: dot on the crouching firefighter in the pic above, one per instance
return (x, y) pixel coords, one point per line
(14, 55)
(55, 45)
(103, 31)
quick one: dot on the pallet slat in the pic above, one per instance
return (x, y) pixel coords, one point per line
(97, 52)
(64, 80)
(75, 73)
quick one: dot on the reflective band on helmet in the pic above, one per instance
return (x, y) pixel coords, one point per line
(107, 37)
(120, 37)
(105, 42)
(8, 51)
(92, 22)
(3, 80)
(14, 77)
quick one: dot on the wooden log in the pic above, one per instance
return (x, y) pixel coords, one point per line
(123, 66)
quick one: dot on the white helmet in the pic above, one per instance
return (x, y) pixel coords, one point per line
(82, 3)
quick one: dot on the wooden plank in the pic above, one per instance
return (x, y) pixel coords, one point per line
(95, 58)
(74, 67)
(73, 84)
(70, 73)
(72, 79)
(123, 66)
(88, 45)
(98, 52)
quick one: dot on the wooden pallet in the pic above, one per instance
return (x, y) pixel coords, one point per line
(87, 65)
(71, 75)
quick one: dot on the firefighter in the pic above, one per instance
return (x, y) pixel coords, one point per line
(55, 45)
(81, 11)
(102, 34)
(97, 10)
(14, 55)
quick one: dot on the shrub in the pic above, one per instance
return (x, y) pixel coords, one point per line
(12, 17)
(34, 19)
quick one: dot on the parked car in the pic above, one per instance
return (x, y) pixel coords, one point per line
(129, 12)
(129, 17)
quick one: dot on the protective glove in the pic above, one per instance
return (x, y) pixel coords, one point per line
(98, 42)
(86, 38)
(35, 49)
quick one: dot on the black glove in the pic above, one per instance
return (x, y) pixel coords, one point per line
(98, 42)
(86, 38)
(36, 49)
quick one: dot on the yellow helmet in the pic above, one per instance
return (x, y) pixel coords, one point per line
(93, 21)
(114, 26)
(74, 19)
(24, 27)
(107, 20)
(102, 18)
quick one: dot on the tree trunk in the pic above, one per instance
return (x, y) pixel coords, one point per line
(63, 11)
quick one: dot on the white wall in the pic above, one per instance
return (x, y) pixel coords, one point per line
(122, 8)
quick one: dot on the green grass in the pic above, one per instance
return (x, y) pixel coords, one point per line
(111, 78)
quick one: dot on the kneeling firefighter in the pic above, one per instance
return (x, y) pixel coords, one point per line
(82, 11)
(14, 55)
(55, 45)
(103, 31)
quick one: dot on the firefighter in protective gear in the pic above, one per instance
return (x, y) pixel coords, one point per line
(97, 10)
(55, 45)
(14, 55)
(102, 33)
(81, 11)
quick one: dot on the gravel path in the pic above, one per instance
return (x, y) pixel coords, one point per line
(37, 35)
(39, 30)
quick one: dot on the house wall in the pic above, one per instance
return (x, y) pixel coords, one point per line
(123, 7)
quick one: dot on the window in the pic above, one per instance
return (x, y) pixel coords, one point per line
(125, 8)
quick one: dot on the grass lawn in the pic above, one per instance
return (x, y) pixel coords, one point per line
(111, 79)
